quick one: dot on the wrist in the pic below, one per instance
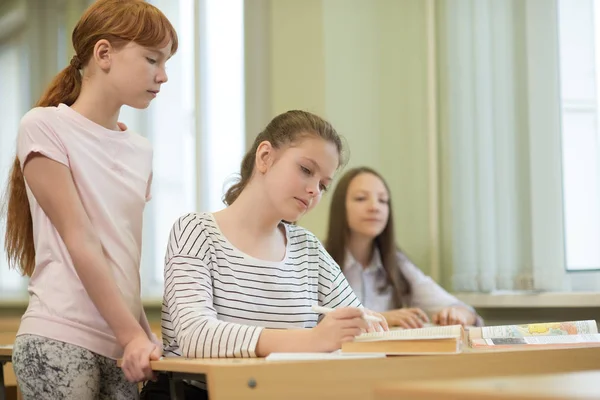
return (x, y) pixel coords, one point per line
(469, 315)
(130, 335)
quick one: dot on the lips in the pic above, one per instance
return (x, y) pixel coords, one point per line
(153, 92)
(304, 202)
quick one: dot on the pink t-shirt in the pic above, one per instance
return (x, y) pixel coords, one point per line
(112, 173)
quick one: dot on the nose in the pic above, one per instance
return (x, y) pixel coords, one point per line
(373, 205)
(162, 76)
(313, 189)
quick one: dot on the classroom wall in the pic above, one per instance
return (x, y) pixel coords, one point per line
(363, 66)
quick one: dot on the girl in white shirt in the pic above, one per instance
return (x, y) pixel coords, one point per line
(361, 240)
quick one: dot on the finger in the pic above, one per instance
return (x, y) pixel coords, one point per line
(384, 324)
(128, 376)
(452, 317)
(383, 327)
(156, 353)
(134, 369)
(418, 321)
(125, 370)
(351, 332)
(444, 317)
(354, 323)
(414, 321)
(421, 314)
(145, 366)
(403, 324)
(122, 126)
(346, 313)
(409, 322)
(371, 328)
(436, 319)
(347, 339)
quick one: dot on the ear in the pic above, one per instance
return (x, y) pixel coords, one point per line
(264, 156)
(103, 52)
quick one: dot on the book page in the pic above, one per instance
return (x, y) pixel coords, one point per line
(541, 329)
(535, 340)
(435, 332)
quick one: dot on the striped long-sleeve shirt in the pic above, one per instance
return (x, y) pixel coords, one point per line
(217, 299)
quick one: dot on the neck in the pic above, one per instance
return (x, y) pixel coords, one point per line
(94, 104)
(361, 248)
(256, 221)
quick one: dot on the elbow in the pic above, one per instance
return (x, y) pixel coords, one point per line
(192, 341)
(81, 240)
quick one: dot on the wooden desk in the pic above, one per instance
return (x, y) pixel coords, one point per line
(571, 386)
(355, 379)
(5, 357)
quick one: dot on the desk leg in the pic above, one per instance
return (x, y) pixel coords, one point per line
(175, 387)
(2, 387)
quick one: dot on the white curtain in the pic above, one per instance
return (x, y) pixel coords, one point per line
(500, 121)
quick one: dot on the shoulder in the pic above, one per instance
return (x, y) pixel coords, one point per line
(300, 236)
(408, 268)
(140, 141)
(38, 116)
(186, 224)
(189, 228)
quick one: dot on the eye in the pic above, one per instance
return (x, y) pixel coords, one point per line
(324, 188)
(151, 60)
(305, 170)
(384, 201)
(359, 198)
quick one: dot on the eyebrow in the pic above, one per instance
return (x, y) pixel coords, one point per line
(364, 191)
(158, 52)
(314, 163)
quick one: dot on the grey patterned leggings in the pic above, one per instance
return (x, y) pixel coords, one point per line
(49, 369)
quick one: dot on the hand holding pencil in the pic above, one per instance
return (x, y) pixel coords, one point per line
(343, 325)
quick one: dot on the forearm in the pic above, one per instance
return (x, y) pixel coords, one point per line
(285, 341)
(93, 271)
(145, 324)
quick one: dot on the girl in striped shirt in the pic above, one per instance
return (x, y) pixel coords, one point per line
(241, 282)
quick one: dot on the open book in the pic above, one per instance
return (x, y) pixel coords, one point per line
(432, 340)
(549, 334)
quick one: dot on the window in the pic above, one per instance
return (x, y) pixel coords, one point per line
(579, 34)
(196, 124)
(13, 59)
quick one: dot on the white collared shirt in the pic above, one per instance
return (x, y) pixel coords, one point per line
(426, 294)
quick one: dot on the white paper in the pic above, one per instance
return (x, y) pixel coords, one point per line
(336, 355)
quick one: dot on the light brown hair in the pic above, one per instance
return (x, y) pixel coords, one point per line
(118, 21)
(338, 233)
(285, 128)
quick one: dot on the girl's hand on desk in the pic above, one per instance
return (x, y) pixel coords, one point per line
(408, 318)
(376, 326)
(454, 316)
(136, 358)
(339, 326)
